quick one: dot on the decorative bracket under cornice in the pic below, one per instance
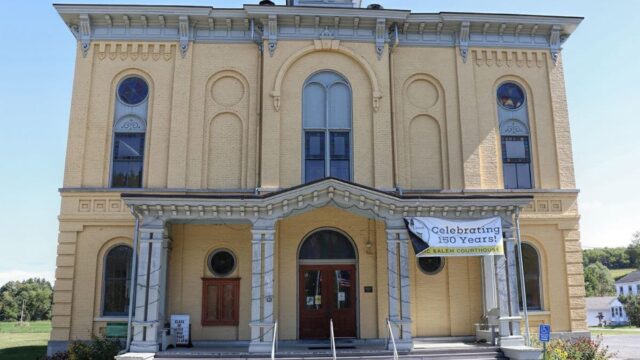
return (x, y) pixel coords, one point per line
(272, 33)
(184, 35)
(464, 40)
(83, 33)
(381, 33)
(555, 43)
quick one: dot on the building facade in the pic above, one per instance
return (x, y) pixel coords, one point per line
(605, 310)
(255, 165)
(629, 284)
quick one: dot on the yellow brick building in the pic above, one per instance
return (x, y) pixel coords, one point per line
(233, 164)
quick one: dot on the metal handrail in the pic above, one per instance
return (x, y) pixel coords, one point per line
(393, 340)
(333, 339)
(274, 342)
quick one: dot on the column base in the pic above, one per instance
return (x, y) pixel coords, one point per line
(511, 341)
(144, 347)
(403, 345)
(522, 353)
(260, 347)
(136, 356)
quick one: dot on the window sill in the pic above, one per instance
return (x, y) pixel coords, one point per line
(539, 312)
(112, 318)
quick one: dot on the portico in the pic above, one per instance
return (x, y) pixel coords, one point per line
(264, 215)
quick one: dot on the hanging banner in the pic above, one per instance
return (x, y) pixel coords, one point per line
(432, 236)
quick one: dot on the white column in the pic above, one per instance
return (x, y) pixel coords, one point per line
(503, 296)
(512, 279)
(262, 288)
(508, 291)
(256, 283)
(150, 286)
(398, 285)
(405, 296)
(489, 285)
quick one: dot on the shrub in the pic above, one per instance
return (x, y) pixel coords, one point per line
(579, 349)
(97, 349)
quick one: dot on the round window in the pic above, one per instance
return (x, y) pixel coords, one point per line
(510, 96)
(430, 265)
(133, 90)
(222, 262)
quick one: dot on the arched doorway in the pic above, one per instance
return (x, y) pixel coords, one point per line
(327, 286)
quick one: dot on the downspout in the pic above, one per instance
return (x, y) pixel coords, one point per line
(392, 46)
(134, 277)
(259, 42)
(523, 290)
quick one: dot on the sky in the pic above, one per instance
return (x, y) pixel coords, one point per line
(36, 73)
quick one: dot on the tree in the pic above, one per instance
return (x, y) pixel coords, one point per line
(598, 280)
(633, 250)
(35, 294)
(632, 308)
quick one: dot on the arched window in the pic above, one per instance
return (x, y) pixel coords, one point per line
(327, 244)
(117, 281)
(514, 136)
(326, 119)
(531, 265)
(129, 133)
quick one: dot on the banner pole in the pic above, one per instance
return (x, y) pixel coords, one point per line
(523, 289)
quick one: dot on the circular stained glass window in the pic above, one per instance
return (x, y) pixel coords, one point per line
(430, 265)
(510, 96)
(133, 90)
(222, 262)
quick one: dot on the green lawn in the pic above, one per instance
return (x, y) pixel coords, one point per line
(24, 342)
(614, 330)
(619, 273)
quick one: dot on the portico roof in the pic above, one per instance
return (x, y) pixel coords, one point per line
(366, 201)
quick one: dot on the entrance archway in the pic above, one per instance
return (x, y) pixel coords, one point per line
(327, 285)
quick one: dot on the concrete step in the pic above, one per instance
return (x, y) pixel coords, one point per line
(480, 353)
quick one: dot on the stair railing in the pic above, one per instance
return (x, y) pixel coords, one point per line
(393, 340)
(333, 340)
(274, 342)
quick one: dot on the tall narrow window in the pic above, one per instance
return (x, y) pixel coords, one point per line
(117, 281)
(514, 134)
(531, 265)
(129, 133)
(326, 119)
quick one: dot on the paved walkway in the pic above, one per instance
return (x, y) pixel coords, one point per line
(627, 346)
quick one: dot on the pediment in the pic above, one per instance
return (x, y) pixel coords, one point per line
(355, 198)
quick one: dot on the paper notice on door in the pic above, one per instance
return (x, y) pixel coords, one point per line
(318, 299)
(310, 300)
(342, 296)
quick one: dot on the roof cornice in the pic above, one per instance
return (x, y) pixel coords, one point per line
(256, 23)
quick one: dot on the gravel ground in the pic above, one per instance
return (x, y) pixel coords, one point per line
(627, 346)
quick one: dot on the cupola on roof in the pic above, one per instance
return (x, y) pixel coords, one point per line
(325, 3)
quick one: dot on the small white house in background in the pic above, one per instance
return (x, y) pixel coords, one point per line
(629, 284)
(605, 310)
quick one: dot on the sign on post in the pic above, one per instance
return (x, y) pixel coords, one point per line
(180, 327)
(545, 333)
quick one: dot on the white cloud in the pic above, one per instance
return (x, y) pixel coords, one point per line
(19, 275)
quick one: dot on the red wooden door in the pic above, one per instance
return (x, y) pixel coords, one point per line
(327, 292)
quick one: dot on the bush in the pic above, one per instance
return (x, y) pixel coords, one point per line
(97, 349)
(579, 349)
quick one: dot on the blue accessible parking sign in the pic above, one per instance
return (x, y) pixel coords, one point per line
(545, 332)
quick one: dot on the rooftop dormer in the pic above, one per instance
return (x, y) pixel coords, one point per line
(325, 3)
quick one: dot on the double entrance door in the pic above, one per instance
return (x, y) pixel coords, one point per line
(327, 292)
